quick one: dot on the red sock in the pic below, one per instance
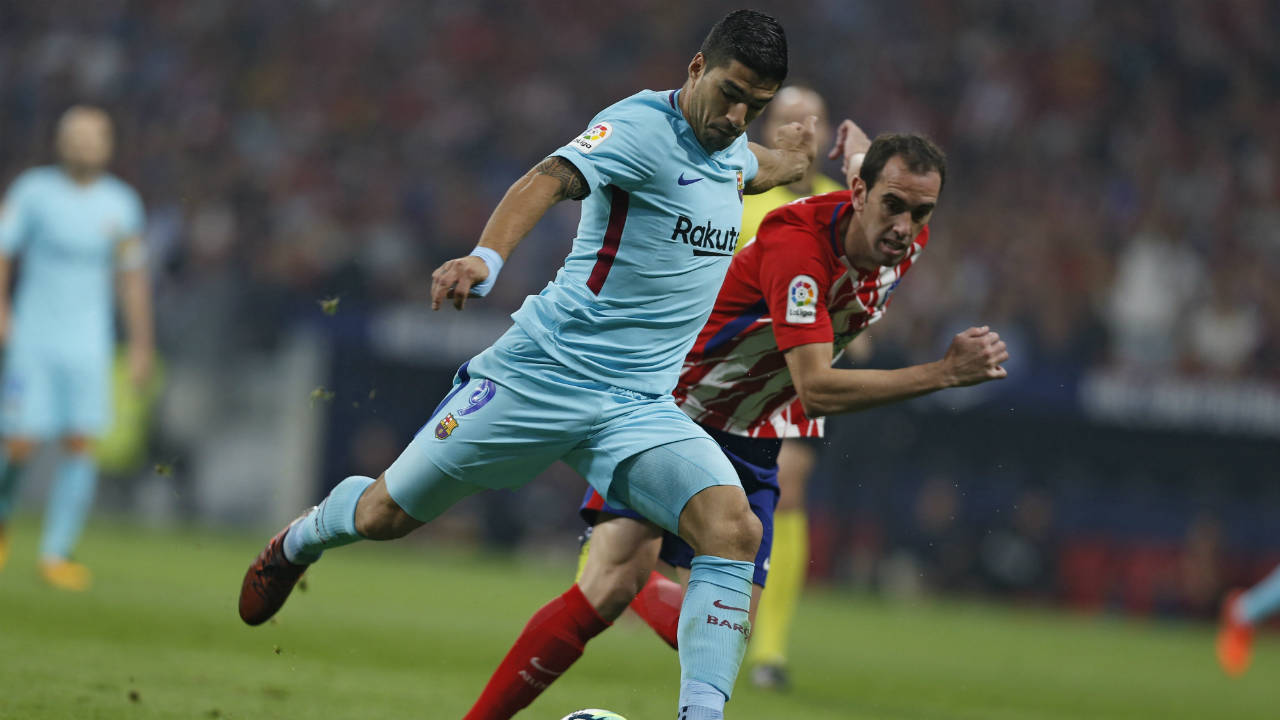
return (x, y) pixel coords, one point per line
(659, 604)
(547, 646)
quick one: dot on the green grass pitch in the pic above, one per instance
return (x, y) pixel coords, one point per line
(408, 631)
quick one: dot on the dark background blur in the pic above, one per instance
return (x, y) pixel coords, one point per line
(1112, 208)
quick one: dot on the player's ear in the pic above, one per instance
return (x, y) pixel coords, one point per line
(858, 192)
(697, 66)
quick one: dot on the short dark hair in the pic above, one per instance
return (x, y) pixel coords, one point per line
(753, 39)
(917, 151)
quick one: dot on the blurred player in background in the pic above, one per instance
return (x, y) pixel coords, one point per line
(77, 230)
(586, 372)
(1241, 613)
(793, 103)
(817, 273)
(771, 632)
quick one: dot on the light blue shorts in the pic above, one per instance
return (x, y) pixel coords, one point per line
(513, 411)
(49, 394)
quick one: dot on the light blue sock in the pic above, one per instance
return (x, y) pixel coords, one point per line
(10, 474)
(74, 481)
(714, 628)
(1261, 600)
(700, 701)
(330, 524)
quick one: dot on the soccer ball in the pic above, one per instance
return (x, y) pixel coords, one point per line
(592, 714)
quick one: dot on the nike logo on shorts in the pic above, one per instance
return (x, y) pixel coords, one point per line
(722, 606)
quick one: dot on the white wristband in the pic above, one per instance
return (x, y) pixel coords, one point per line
(493, 261)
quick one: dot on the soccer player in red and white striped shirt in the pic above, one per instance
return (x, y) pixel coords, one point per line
(819, 271)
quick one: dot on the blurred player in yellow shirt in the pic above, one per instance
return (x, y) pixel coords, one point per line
(767, 652)
(792, 104)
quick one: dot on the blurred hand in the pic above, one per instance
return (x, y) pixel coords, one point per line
(4, 324)
(454, 280)
(851, 146)
(142, 360)
(798, 137)
(975, 356)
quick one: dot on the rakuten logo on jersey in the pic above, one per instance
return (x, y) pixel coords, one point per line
(706, 240)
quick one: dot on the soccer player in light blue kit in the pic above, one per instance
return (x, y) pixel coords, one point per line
(1242, 611)
(585, 374)
(76, 229)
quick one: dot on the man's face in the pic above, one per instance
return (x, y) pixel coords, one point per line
(890, 215)
(724, 100)
(84, 140)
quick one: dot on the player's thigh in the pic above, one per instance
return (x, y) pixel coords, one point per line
(487, 433)
(650, 457)
(618, 541)
(84, 396)
(29, 403)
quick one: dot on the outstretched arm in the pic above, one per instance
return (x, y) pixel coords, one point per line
(793, 151)
(526, 201)
(974, 357)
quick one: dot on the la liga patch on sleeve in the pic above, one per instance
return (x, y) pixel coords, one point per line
(593, 137)
(802, 300)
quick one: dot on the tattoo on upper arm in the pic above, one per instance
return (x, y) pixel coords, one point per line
(572, 184)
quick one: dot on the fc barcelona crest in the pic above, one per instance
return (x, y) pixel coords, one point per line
(741, 187)
(446, 427)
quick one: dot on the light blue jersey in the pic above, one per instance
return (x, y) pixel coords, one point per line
(585, 374)
(67, 236)
(58, 354)
(655, 240)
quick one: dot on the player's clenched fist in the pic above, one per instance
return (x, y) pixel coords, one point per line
(799, 137)
(975, 356)
(455, 279)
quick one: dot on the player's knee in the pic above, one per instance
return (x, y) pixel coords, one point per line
(19, 450)
(77, 444)
(719, 521)
(749, 533)
(735, 536)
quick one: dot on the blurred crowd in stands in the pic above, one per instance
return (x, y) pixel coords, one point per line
(1113, 195)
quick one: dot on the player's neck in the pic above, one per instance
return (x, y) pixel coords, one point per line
(682, 101)
(82, 176)
(853, 236)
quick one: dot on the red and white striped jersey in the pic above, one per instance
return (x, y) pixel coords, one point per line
(736, 379)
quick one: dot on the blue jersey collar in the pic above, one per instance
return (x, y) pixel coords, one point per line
(836, 246)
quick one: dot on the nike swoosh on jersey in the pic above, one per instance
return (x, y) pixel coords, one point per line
(541, 668)
(722, 606)
(682, 181)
